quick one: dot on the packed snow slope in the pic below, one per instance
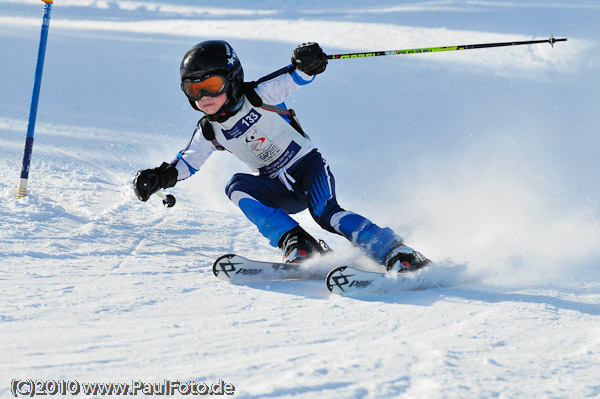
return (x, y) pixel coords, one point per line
(483, 159)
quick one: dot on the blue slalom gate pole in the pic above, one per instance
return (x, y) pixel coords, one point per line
(37, 83)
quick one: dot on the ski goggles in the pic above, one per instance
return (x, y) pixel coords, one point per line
(210, 85)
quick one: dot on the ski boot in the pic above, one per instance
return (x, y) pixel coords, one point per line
(297, 246)
(404, 259)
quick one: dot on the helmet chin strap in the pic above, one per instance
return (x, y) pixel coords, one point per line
(224, 106)
(220, 115)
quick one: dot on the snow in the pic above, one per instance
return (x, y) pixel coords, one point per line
(483, 159)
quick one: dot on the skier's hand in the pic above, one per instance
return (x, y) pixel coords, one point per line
(309, 58)
(149, 181)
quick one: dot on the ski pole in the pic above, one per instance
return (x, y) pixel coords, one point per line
(37, 83)
(168, 199)
(551, 40)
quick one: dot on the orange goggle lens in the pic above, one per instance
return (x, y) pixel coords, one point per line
(210, 86)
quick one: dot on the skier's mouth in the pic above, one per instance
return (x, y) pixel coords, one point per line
(209, 104)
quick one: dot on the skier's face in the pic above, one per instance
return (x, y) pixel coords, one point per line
(211, 105)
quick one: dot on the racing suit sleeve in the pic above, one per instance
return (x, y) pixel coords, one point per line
(274, 88)
(189, 160)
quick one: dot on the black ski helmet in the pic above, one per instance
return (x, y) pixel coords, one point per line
(216, 57)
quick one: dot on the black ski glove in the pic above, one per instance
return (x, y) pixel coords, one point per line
(309, 58)
(149, 181)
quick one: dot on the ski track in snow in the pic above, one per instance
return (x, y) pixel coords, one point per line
(96, 286)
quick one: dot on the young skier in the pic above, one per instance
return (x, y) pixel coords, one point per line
(251, 121)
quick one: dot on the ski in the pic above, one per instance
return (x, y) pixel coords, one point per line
(235, 268)
(346, 280)
(343, 280)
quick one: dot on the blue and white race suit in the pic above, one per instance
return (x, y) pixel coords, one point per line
(289, 174)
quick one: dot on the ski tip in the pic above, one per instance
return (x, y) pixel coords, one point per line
(219, 265)
(226, 256)
(336, 280)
